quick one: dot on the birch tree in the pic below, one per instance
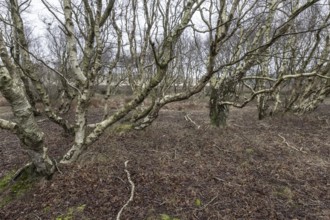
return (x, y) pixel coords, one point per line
(152, 46)
(263, 32)
(25, 126)
(86, 39)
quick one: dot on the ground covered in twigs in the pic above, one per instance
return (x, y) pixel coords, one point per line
(277, 168)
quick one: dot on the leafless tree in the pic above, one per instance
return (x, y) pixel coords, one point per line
(166, 51)
(268, 51)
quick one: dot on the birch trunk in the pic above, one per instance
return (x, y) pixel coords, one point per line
(30, 135)
(27, 130)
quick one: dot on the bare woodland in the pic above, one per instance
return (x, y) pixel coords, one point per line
(274, 52)
(178, 109)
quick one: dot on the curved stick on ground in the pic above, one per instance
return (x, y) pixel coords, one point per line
(292, 147)
(132, 192)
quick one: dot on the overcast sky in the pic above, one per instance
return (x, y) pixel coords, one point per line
(35, 14)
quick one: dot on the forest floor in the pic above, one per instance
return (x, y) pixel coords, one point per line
(277, 168)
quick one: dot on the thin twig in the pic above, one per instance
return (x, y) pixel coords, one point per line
(132, 192)
(209, 202)
(219, 179)
(42, 120)
(189, 119)
(35, 215)
(117, 177)
(57, 168)
(49, 67)
(292, 147)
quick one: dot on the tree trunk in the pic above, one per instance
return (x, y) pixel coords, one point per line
(30, 95)
(30, 135)
(218, 113)
(80, 130)
(262, 107)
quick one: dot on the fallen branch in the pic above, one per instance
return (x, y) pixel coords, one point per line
(292, 147)
(189, 119)
(132, 192)
(207, 204)
(19, 172)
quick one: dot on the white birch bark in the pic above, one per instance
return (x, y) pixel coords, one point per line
(27, 67)
(30, 135)
(72, 47)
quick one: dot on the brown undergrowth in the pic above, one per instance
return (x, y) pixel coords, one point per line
(277, 168)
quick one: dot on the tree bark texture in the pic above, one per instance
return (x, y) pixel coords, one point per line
(30, 135)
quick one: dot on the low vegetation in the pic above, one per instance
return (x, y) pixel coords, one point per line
(182, 171)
